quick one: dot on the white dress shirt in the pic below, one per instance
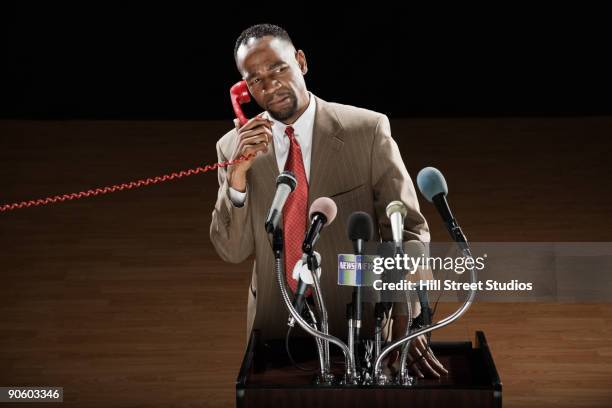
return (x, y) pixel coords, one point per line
(303, 128)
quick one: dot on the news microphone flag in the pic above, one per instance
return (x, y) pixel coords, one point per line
(356, 270)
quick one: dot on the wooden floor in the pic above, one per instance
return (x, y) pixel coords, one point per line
(122, 301)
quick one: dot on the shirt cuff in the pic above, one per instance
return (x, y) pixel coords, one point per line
(238, 198)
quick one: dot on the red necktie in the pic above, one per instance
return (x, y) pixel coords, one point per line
(295, 210)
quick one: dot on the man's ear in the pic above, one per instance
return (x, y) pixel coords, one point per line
(301, 60)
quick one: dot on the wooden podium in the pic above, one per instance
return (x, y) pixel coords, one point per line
(268, 379)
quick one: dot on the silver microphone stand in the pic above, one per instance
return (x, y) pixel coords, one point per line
(350, 372)
(444, 322)
(327, 376)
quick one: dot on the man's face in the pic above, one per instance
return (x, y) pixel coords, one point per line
(274, 72)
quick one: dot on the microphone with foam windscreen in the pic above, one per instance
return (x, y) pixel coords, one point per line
(360, 230)
(322, 211)
(433, 186)
(285, 184)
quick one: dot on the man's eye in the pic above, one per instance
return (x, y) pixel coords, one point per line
(255, 81)
(281, 69)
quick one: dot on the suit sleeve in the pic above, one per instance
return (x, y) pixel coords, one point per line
(391, 181)
(231, 230)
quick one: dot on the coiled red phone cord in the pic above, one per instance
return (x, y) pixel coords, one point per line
(123, 186)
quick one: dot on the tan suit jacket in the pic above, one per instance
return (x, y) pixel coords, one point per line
(356, 163)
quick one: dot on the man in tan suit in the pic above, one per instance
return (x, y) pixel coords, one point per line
(348, 155)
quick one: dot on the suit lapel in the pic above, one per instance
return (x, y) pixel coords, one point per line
(326, 146)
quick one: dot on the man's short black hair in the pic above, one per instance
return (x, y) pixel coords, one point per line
(258, 31)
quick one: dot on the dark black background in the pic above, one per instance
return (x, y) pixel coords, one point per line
(175, 60)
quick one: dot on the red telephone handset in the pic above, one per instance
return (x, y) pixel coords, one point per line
(239, 94)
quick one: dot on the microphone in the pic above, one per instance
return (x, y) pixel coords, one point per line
(303, 275)
(433, 186)
(322, 211)
(396, 211)
(360, 230)
(285, 184)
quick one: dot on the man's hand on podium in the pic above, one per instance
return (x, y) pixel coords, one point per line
(421, 360)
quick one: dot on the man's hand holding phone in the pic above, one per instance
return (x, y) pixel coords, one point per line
(253, 137)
